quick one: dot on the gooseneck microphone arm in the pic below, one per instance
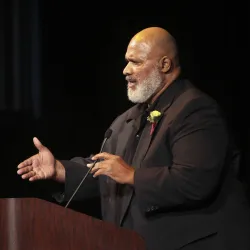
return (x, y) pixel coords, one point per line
(107, 136)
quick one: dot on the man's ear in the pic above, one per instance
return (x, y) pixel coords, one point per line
(165, 64)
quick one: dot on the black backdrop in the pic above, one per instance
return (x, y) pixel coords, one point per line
(78, 89)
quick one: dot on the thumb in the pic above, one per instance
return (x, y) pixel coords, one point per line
(38, 144)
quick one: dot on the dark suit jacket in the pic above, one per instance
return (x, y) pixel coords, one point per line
(185, 189)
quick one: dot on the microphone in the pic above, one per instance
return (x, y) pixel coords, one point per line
(106, 137)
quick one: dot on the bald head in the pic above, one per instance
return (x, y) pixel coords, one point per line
(152, 64)
(158, 42)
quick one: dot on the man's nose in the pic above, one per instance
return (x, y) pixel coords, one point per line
(127, 70)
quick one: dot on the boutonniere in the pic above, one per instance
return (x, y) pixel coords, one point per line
(153, 118)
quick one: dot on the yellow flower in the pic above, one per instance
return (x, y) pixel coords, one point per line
(154, 116)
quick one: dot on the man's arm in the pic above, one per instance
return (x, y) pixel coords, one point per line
(71, 172)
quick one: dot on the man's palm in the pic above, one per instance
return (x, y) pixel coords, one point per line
(40, 166)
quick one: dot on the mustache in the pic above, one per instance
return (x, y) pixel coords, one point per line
(130, 79)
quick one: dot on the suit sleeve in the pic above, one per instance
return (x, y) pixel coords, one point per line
(198, 141)
(75, 170)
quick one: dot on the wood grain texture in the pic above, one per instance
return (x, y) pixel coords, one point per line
(34, 224)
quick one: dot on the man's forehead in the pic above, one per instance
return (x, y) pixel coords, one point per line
(138, 48)
(139, 45)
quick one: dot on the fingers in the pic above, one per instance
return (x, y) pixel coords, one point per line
(104, 155)
(25, 163)
(34, 178)
(24, 170)
(102, 171)
(28, 175)
(100, 168)
(90, 165)
(95, 168)
(99, 172)
(38, 144)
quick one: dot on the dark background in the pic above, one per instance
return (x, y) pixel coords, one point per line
(61, 73)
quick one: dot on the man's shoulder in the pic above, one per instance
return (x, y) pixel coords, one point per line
(195, 93)
(123, 116)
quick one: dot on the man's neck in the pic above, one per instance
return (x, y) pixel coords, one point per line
(170, 80)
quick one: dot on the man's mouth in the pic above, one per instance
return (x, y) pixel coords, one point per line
(131, 84)
(130, 79)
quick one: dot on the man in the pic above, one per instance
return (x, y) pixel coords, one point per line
(166, 171)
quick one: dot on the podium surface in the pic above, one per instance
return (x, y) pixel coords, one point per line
(34, 224)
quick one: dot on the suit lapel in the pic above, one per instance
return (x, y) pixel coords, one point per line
(146, 139)
(123, 138)
(140, 153)
(165, 101)
(130, 126)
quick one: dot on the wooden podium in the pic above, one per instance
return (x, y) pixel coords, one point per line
(34, 224)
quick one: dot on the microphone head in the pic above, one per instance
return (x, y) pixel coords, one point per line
(108, 133)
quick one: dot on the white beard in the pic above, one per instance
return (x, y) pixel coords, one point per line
(145, 89)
